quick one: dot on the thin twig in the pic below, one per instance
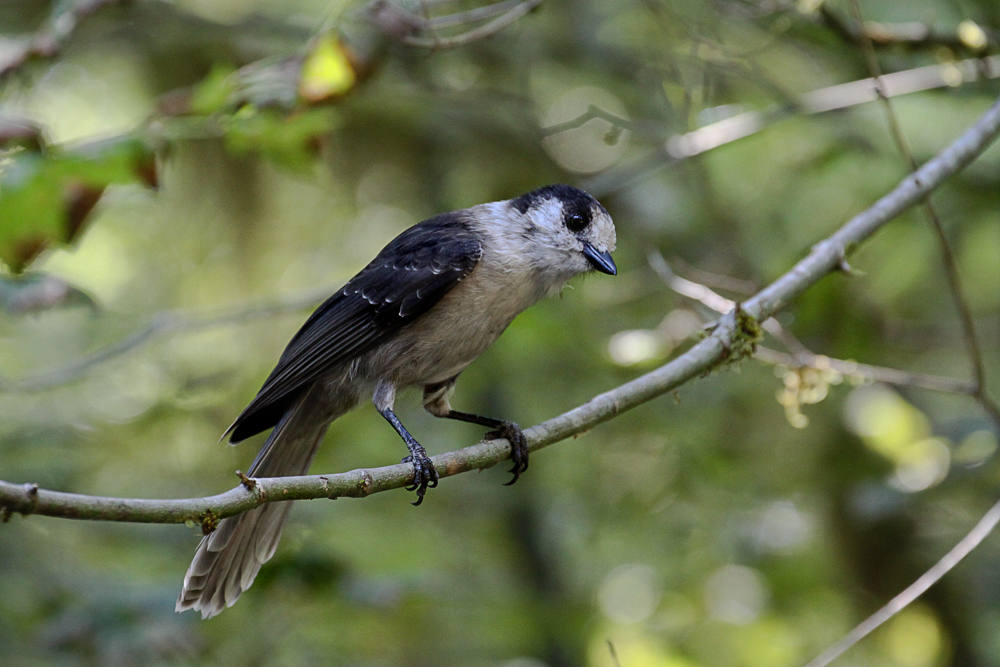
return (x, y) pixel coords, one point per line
(972, 540)
(614, 654)
(471, 15)
(698, 141)
(912, 35)
(161, 324)
(593, 111)
(833, 98)
(801, 356)
(715, 280)
(715, 350)
(947, 255)
(841, 96)
(865, 371)
(57, 30)
(989, 521)
(485, 30)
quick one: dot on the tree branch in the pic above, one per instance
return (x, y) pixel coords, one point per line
(978, 390)
(968, 36)
(679, 148)
(801, 356)
(49, 40)
(874, 373)
(735, 332)
(509, 16)
(947, 256)
(972, 540)
(841, 96)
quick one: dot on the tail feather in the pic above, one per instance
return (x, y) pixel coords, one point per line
(228, 560)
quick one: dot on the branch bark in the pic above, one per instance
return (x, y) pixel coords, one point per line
(734, 336)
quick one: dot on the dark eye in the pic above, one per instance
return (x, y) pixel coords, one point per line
(575, 222)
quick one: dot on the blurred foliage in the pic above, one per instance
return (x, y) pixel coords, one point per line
(749, 521)
(46, 197)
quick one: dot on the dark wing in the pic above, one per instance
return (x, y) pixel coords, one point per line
(408, 277)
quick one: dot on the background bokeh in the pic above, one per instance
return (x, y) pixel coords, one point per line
(748, 520)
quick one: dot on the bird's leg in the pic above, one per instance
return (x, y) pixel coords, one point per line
(424, 474)
(501, 429)
(436, 402)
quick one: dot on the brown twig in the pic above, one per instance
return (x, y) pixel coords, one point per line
(992, 517)
(892, 376)
(968, 37)
(947, 255)
(57, 30)
(517, 10)
(972, 540)
(800, 356)
(593, 112)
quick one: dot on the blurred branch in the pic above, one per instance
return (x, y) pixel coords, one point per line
(48, 41)
(947, 255)
(35, 292)
(874, 373)
(163, 323)
(688, 288)
(472, 15)
(968, 36)
(715, 280)
(19, 132)
(614, 654)
(801, 356)
(992, 517)
(509, 10)
(974, 538)
(734, 337)
(593, 111)
(832, 98)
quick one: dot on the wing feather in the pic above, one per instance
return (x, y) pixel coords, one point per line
(411, 274)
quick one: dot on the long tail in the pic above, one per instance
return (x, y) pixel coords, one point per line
(227, 561)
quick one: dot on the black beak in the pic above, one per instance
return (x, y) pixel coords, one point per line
(600, 260)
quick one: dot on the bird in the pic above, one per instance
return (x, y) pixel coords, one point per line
(434, 299)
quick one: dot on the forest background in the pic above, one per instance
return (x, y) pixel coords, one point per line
(181, 182)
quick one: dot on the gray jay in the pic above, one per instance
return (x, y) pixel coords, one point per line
(431, 302)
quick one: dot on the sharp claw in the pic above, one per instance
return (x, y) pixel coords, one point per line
(518, 448)
(425, 476)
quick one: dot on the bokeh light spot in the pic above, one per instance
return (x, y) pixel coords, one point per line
(736, 594)
(585, 149)
(629, 594)
(914, 638)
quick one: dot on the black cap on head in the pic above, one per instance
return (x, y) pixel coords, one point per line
(578, 206)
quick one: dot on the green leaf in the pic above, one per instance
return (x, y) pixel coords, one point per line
(212, 94)
(46, 197)
(291, 140)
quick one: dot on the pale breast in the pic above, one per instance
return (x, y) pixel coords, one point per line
(469, 319)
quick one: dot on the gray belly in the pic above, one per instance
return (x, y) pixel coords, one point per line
(452, 334)
(435, 349)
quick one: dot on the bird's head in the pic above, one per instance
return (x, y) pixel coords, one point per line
(570, 230)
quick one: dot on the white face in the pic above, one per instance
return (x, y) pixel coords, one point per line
(549, 235)
(566, 226)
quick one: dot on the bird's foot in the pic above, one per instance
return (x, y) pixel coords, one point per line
(425, 475)
(518, 447)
